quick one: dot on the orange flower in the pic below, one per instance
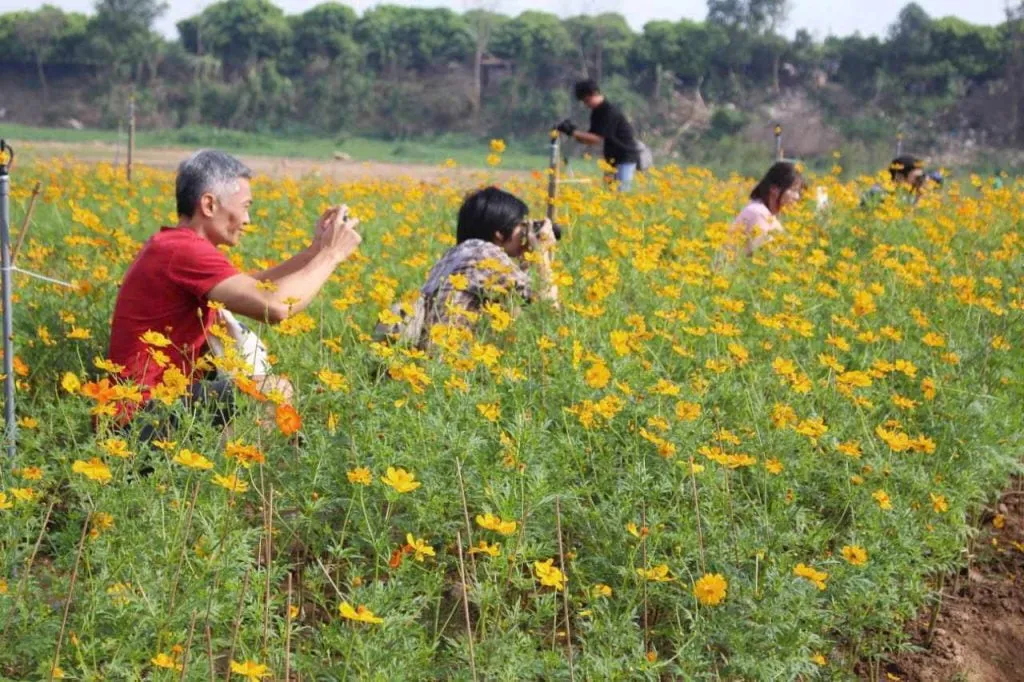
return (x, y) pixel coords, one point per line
(288, 419)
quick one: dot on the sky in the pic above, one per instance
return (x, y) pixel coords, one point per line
(820, 17)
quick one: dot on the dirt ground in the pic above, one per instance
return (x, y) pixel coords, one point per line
(168, 158)
(979, 634)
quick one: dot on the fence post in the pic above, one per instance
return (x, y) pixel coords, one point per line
(778, 142)
(131, 134)
(5, 279)
(553, 176)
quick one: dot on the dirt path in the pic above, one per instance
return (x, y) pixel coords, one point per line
(168, 158)
(979, 634)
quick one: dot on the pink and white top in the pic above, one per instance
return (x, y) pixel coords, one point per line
(758, 224)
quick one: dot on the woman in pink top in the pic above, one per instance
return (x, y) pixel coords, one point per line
(758, 222)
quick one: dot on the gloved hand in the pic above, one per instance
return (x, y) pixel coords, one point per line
(566, 127)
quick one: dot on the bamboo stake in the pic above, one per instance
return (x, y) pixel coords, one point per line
(238, 621)
(465, 513)
(71, 592)
(25, 223)
(565, 588)
(465, 606)
(188, 648)
(288, 632)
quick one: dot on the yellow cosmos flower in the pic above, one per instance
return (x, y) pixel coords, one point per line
(483, 547)
(401, 480)
(360, 614)
(549, 575)
(657, 574)
(162, 660)
(855, 554)
(94, 470)
(495, 523)
(250, 670)
(192, 460)
(70, 383)
(815, 576)
(231, 483)
(710, 589)
(155, 339)
(359, 476)
(490, 411)
(419, 547)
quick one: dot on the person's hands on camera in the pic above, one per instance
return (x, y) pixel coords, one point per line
(566, 127)
(336, 233)
(542, 238)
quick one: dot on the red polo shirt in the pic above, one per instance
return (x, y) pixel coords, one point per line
(164, 290)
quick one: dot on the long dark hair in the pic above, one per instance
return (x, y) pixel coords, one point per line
(782, 174)
(487, 211)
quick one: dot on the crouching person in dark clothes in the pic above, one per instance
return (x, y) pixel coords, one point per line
(177, 298)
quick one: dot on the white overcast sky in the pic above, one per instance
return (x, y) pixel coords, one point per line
(821, 17)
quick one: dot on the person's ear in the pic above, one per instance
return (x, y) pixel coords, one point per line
(208, 204)
(498, 237)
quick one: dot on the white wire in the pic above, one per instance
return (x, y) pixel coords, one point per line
(42, 277)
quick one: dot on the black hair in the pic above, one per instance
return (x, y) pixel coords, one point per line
(586, 88)
(487, 211)
(902, 165)
(782, 174)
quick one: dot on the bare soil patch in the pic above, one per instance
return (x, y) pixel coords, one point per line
(168, 158)
(979, 634)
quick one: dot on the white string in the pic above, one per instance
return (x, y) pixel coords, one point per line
(42, 277)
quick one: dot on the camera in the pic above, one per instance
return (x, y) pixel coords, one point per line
(537, 225)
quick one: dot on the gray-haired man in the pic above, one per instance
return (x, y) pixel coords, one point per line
(180, 271)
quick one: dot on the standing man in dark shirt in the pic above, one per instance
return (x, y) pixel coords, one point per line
(609, 128)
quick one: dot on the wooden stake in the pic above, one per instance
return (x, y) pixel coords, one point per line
(288, 632)
(465, 606)
(71, 593)
(131, 136)
(25, 223)
(565, 588)
(465, 514)
(188, 648)
(238, 621)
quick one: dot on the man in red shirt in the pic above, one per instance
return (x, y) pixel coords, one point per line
(163, 311)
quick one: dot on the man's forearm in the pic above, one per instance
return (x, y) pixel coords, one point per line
(290, 266)
(298, 288)
(587, 138)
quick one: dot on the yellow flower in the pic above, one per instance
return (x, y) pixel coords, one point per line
(773, 466)
(482, 547)
(24, 494)
(490, 411)
(658, 574)
(231, 483)
(939, 503)
(332, 380)
(819, 659)
(419, 547)
(5, 504)
(816, 577)
(686, 411)
(30, 473)
(70, 383)
(495, 523)
(360, 476)
(882, 498)
(192, 460)
(493, 159)
(250, 670)
(156, 339)
(549, 575)
(597, 376)
(601, 590)
(162, 660)
(78, 333)
(710, 589)
(116, 447)
(498, 146)
(400, 479)
(360, 614)
(934, 340)
(855, 554)
(94, 470)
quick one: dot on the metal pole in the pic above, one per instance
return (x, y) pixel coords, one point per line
(778, 142)
(8, 330)
(552, 175)
(899, 143)
(131, 133)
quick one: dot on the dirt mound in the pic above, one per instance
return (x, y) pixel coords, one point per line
(979, 634)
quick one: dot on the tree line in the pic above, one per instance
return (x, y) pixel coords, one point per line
(401, 71)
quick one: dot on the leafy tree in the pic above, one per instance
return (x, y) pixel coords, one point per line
(240, 33)
(121, 31)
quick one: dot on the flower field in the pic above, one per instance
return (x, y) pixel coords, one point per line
(691, 470)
